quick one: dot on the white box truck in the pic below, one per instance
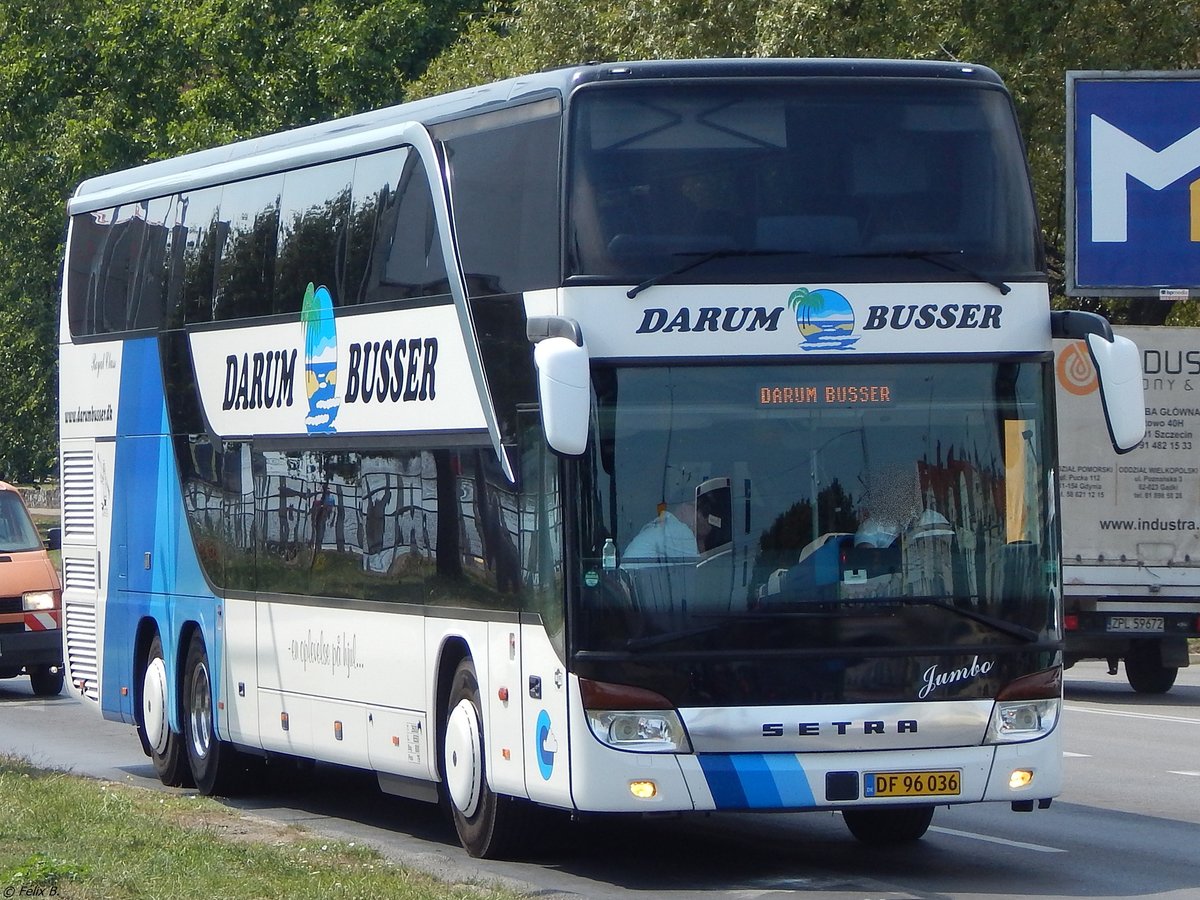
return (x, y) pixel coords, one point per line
(1131, 522)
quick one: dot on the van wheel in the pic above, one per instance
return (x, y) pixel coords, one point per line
(47, 681)
(162, 745)
(217, 767)
(888, 825)
(489, 825)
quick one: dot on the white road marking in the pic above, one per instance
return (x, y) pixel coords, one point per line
(1022, 845)
(1067, 754)
(1193, 774)
(1183, 720)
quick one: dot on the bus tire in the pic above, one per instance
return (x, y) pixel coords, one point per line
(46, 681)
(162, 745)
(1145, 670)
(489, 825)
(217, 767)
(888, 825)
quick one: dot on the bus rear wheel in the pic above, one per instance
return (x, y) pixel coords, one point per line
(162, 745)
(217, 767)
(489, 825)
(888, 825)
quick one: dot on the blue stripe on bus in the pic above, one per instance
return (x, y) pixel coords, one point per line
(756, 780)
(147, 517)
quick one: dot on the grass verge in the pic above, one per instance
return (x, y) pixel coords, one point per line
(71, 837)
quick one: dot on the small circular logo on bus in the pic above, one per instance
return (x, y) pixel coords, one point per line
(1075, 371)
(825, 319)
(547, 745)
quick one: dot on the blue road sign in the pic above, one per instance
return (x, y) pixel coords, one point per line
(1133, 170)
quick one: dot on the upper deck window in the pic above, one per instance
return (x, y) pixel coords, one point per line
(844, 179)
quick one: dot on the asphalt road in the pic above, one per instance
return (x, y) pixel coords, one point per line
(1128, 824)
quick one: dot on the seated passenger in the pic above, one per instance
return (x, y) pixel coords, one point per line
(670, 537)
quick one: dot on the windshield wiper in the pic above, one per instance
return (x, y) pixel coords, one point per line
(719, 621)
(943, 258)
(703, 257)
(1011, 629)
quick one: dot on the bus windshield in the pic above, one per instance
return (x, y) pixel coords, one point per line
(784, 180)
(832, 508)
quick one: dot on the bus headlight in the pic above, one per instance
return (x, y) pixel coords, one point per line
(1026, 720)
(632, 718)
(31, 601)
(1027, 708)
(643, 731)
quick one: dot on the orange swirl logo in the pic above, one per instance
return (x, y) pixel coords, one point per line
(1075, 371)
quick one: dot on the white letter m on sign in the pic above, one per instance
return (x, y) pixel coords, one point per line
(1116, 155)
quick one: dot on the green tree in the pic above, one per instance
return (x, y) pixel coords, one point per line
(92, 86)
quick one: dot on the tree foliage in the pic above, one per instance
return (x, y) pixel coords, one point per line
(88, 86)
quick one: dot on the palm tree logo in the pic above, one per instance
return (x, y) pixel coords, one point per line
(320, 358)
(825, 319)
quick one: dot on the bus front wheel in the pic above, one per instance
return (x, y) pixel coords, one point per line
(164, 747)
(888, 825)
(489, 825)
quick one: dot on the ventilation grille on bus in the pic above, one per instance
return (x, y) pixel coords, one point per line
(78, 495)
(81, 648)
(79, 575)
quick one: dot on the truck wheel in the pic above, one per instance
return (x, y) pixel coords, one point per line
(162, 745)
(217, 767)
(46, 681)
(1145, 671)
(888, 825)
(489, 825)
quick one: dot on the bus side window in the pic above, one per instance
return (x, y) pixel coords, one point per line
(150, 299)
(198, 270)
(394, 251)
(89, 235)
(313, 222)
(246, 270)
(506, 171)
(105, 272)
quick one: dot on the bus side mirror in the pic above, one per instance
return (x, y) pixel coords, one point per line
(1118, 367)
(1119, 371)
(564, 386)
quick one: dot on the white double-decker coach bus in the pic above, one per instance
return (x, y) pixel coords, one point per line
(627, 438)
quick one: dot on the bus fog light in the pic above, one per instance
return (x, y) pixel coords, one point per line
(643, 790)
(643, 731)
(1020, 778)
